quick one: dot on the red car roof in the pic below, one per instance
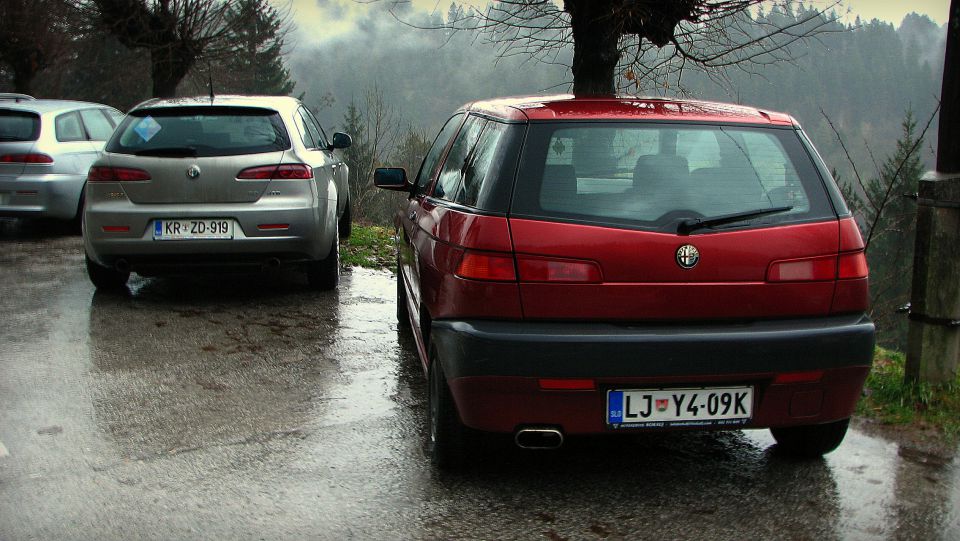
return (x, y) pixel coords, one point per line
(568, 107)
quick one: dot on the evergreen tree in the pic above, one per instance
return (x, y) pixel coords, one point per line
(255, 64)
(358, 155)
(888, 221)
(375, 129)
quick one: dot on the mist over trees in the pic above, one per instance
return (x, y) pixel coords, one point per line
(864, 75)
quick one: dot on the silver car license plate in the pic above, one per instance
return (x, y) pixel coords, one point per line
(193, 229)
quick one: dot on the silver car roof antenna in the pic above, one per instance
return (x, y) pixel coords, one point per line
(210, 81)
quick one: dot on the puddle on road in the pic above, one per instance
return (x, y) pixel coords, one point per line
(220, 364)
(367, 348)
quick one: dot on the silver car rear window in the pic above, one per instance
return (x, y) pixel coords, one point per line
(19, 125)
(200, 131)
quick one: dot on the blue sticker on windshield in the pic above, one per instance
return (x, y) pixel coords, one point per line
(147, 128)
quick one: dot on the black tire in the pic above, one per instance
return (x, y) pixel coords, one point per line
(76, 223)
(325, 273)
(106, 278)
(810, 441)
(448, 445)
(345, 223)
(403, 312)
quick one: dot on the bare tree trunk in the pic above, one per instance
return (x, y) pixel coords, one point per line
(595, 47)
(948, 147)
(167, 69)
(23, 74)
(177, 33)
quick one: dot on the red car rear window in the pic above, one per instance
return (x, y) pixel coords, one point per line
(653, 175)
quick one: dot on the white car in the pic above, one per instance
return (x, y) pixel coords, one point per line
(46, 148)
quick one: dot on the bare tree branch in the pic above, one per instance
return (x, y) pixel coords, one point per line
(856, 172)
(654, 40)
(885, 200)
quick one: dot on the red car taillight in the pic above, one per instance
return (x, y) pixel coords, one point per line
(848, 270)
(538, 269)
(484, 266)
(851, 266)
(116, 174)
(26, 158)
(505, 268)
(803, 270)
(290, 171)
(843, 267)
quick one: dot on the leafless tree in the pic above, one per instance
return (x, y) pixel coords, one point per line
(34, 34)
(176, 33)
(375, 128)
(651, 41)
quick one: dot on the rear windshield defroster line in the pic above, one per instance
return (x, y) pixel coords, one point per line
(200, 132)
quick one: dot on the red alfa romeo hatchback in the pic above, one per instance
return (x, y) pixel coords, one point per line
(585, 266)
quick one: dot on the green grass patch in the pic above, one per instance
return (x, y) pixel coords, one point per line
(891, 400)
(369, 246)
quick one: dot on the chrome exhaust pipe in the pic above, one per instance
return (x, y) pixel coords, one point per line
(538, 437)
(122, 265)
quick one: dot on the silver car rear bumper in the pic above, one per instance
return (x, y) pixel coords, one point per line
(305, 239)
(40, 196)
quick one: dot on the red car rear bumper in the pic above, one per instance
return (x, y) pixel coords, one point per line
(503, 403)
(495, 369)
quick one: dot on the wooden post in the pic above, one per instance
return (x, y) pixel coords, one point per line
(934, 336)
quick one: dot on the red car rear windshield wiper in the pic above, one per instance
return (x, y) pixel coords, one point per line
(692, 224)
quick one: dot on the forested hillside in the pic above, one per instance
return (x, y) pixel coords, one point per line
(864, 75)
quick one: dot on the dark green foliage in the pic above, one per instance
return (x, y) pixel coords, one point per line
(34, 35)
(862, 77)
(411, 150)
(374, 127)
(254, 64)
(359, 159)
(378, 141)
(245, 55)
(93, 74)
(888, 221)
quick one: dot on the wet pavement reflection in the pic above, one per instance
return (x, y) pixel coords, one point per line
(249, 407)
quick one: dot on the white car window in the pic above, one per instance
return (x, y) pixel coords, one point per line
(68, 127)
(98, 127)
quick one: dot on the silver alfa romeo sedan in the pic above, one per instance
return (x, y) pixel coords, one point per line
(46, 148)
(213, 184)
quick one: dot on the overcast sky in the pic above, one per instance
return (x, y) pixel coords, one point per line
(317, 20)
(894, 10)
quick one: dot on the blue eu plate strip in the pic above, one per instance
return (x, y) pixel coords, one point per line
(157, 228)
(615, 407)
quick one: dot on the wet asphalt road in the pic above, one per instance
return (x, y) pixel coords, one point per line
(248, 407)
